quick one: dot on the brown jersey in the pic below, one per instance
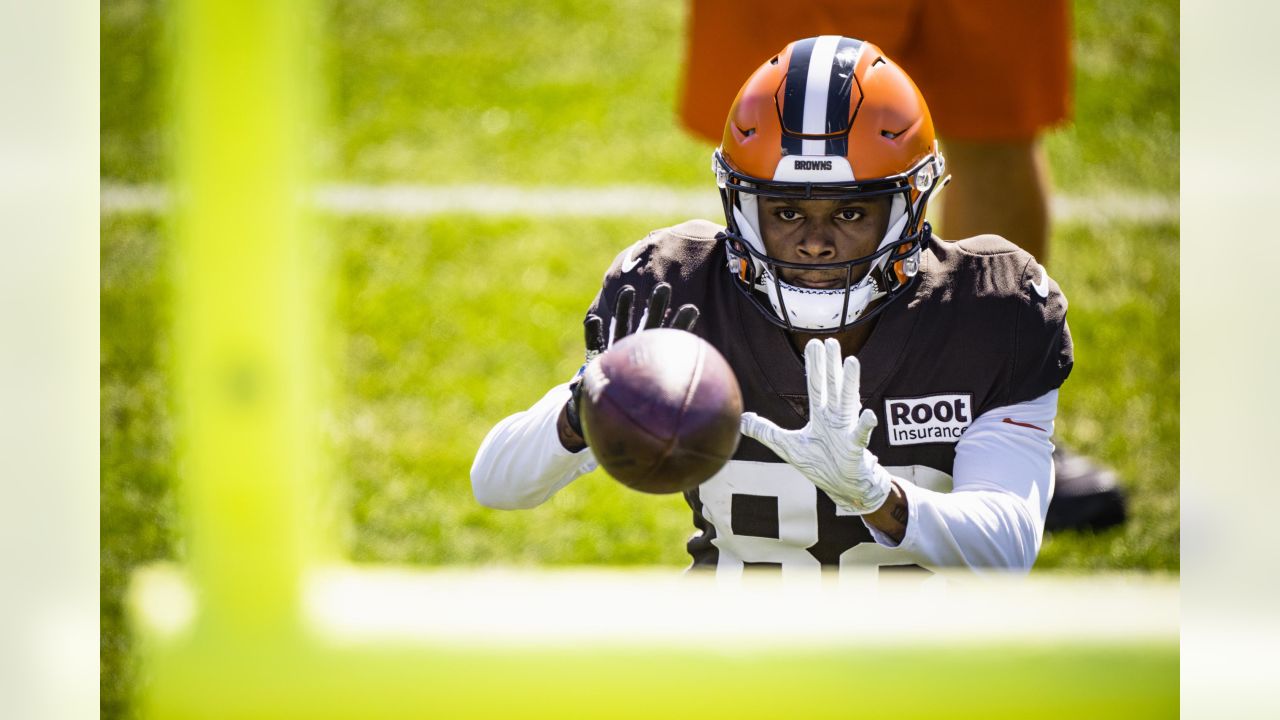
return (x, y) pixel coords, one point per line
(983, 328)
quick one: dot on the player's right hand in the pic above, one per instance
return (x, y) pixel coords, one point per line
(831, 449)
(623, 323)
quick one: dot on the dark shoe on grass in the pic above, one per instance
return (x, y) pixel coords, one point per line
(1085, 497)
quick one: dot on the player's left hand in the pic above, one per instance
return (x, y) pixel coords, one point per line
(831, 450)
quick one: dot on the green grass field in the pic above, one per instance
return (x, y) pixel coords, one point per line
(445, 325)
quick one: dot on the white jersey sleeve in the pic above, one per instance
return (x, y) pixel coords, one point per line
(1002, 483)
(521, 462)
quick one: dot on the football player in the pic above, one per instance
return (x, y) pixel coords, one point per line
(900, 391)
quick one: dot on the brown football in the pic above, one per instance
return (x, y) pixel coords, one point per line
(660, 410)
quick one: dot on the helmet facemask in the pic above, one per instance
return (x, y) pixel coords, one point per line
(871, 281)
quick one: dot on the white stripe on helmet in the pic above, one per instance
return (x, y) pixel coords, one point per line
(815, 94)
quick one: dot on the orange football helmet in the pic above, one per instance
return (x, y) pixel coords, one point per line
(828, 117)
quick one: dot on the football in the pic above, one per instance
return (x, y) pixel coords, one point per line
(660, 410)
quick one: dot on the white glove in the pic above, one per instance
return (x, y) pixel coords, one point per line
(831, 451)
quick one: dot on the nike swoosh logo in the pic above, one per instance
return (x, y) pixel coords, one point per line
(1025, 425)
(629, 263)
(1042, 287)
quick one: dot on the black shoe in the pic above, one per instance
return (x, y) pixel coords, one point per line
(1085, 497)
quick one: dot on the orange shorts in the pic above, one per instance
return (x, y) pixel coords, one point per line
(989, 69)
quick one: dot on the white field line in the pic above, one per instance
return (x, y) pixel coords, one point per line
(415, 201)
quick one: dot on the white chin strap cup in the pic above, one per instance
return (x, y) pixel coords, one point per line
(818, 309)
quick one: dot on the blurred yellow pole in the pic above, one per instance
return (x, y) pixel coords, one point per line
(245, 306)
